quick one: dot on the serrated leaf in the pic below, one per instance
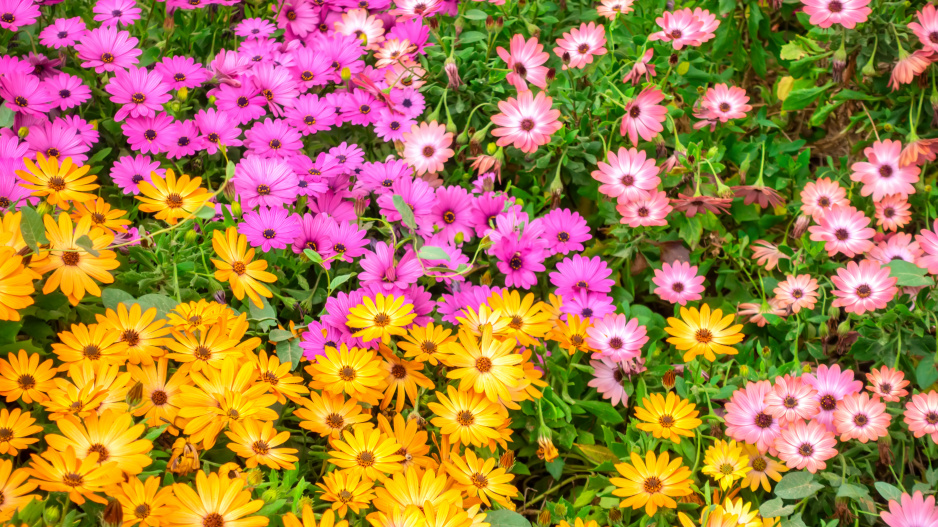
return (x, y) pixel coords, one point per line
(85, 243)
(908, 274)
(429, 252)
(792, 51)
(407, 215)
(797, 485)
(32, 228)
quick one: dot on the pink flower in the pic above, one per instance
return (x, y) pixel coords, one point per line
(525, 59)
(791, 399)
(128, 172)
(767, 254)
(892, 212)
(273, 138)
(150, 134)
(928, 242)
(310, 114)
(910, 66)
(140, 92)
(887, 383)
(844, 230)
(264, 182)
(925, 27)
(181, 72)
(254, 28)
(15, 14)
(820, 196)
(882, 175)
(680, 28)
(63, 32)
(114, 12)
(564, 231)
(678, 283)
(848, 13)
(612, 8)
(859, 417)
(67, 90)
(798, 292)
(643, 116)
(756, 311)
(832, 386)
(723, 103)
(520, 259)
(808, 446)
(898, 247)
(649, 211)
(864, 287)
(642, 68)
(607, 379)
(25, 94)
(582, 274)
(747, 418)
(628, 176)
(581, 44)
(911, 511)
(107, 49)
(616, 337)
(426, 147)
(270, 228)
(217, 130)
(526, 122)
(921, 414)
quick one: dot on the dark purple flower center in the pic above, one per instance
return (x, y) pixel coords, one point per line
(150, 135)
(65, 94)
(7, 18)
(242, 102)
(885, 171)
(864, 291)
(527, 125)
(309, 120)
(62, 34)
(835, 6)
(270, 234)
(138, 98)
(179, 77)
(117, 13)
(21, 101)
(107, 58)
(635, 112)
(183, 141)
(515, 262)
(263, 190)
(841, 234)
(275, 144)
(563, 236)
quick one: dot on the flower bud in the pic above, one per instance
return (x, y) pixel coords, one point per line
(839, 64)
(801, 226)
(833, 312)
(615, 515)
(507, 460)
(361, 205)
(491, 148)
(168, 23)
(843, 328)
(51, 514)
(346, 74)
(823, 331)
(182, 94)
(551, 74)
(669, 379)
(22, 132)
(543, 518)
(489, 23)
(933, 99)
(113, 515)
(219, 296)
(212, 100)
(565, 58)
(235, 207)
(269, 495)
(560, 509)
(460, 237)
(135, 394)
(500, 22)
(191, 237)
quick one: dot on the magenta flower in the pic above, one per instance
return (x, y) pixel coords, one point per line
(565, 231)
(182, 72)
(526, 122)
(864, 287)
(630, 175)
(15, 14)
(519, 259)
(911, 511)
(678, 283)
(242, 103)
(383, 268)
(275, 84)
(525, 59)
(882, 174)
(25, 94)
(150, 134)
(361, 108)
(316, 233)
(844, 230)
(265, 182)
(128, 172)
(63, 32)
(747, 418)
(588, 306)
(616, 337)
(84, 130)
(644, 115)
(217, 130)
(273, 138)
(188, 141)
(582, 274)
(832, 386)
(310, 114)
(334, 205)
(298, 17)
(349, 156)
(650, 212)
(116, 12)
(13, 194)
(141, 92)
(348, 241)
(318, 339)
(311, 68)
(107, 49)
(418, 195)
(415, 30)
(468, 296)
(254, 28)
(928, 242)
(391, 126)
(451, 212)
(485, 209)
(848, 13)
(57, 139)
(67, 90)
(577, 47)
(270, 228)
(337, 311)
(408, 101)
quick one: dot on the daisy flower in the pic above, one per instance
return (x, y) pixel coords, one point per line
(748, 418)
(859, 417)
(316, 233)
(925, 27)
(644, 115)
(899, 246)
(628, 176)
(525, 59)
(607, 379)
(641, 68)
(806, 446)
(616, 337)
(270, 228)
(652, 482)
(242, 103)
(311, 68)
(668, 418)
(911, 511)
(767, 254)
(881, 174)
(578, 46)
(268, 182)
(217, 129)
(892, 212)
(150, 134)
(384, 267)
(680, 28)
(182, 72)
(391, 126)
(848, 13)
(580, 273)
(612, 8)
(844, 230)
(297, 17)
(273, 138)
(426, 147)
(704, 332)
(67, 90)
(15, 14)
(129, 171)
(762, 469)
(921, 414)
(107, 49)
(451, 212)
(648, 211)
(188, 141)
(381, 317)
(588, 305)
(526, 122)
(819, 197)
(928, 243)
(725, 463)
(909, 66)
(116, 12)
(678, 283)
(723, 103)
(832, 386)
(26, 94)
(565, 231)
(140, 92)
(798, 292)
(520, 260)
(63, 32)
(864, 287)
(254, 28)
(888, 384)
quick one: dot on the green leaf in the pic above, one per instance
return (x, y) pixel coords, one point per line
(797, 485)
(887, 491)
(85, 243)
(339, 280)
(472, 36)
(155, 432)
(605, 411)
(849, 490)
(270, 510)
(925, 373)
(290, 351)
(205, 213)
(32, 228)
(279, 335)
(111, 296)
(799, 99)
(794, 521)
(598, 453)
(6, 117)
(908, 274)
(506, 518)
(162, 303)
(429, 252)
(792, 51)
(229, 171)
(312, 255)
(407, 215)
(775, 508)
(555, 468)
(476, 14)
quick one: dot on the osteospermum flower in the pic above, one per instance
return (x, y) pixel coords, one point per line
(648, 211)
(381, 317)
(678, 283)
(16, 284)
(154, 134)
(925, 27)
(467, 418)
(172, 198)
(16, 426)
(848, 13)
(921, 415)
(480, 477)
(108, 49)
(68, 91)
(259, 443)
(140, 92)
(426, 147)
(818, 197)
(680, 28)
(75, 268)
(928, 243)
(892, 212)
(704, 332)
(748, 417)
(116, 12)
(644, 115)
(762, 469)
(578, 274)
(725, 463)
(60, 183)
(832, 386)
(791, 399)
(882, 174)
(145, 502)
(22, 377)
(15, 14)
(270, 228)
(628, 176)
(215, 500)
(722, 103)
(525, 59)
(81, 478)
(652, 482)
(864, 287)
(607, 379)
(617, 337)
(236, 265)
(859, 417)
(26, 94)
(844, 229)
(887, 383)
(668, 417)
(798, 292)
(63, 32)
(578, 46)
(612, 8)
(526, 122)
(266, 182)
(911, 511)
(806, 446)
(485, 365)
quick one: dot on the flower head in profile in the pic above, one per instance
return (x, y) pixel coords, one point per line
(580, 44)
(525, 59)
(678, 283)
(848, 13)
(427, 147)
(704, 332)
(644, 115)
(863, 287)
(652, 482)
(526, 122)
(909, 66)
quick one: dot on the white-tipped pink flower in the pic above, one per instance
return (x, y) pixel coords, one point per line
(848, 13)
(650, 211)
(861, 418)
(525, 59)
(881, 174)
(580, 44)
(678, 283)
(863, 287)
(844, 230)
(426, 147)
(629, 175)
(898, 247)
(722, 103)
(806, 446)
(644, 115)
(526, 122)
(818, 197)
(616, 337)
(682, 28)
(911, 511)
(893, 212)
(928, 242)
(887, 383)
(925, 27)
(797, 292)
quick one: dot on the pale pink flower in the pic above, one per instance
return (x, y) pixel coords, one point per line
(678, 283)
(747, 418)
(806, 446)
(832, 386)
(882, 174)
(629, 175)
(864, 287)
(426, 147)
(767, 254)
(791, 399)
(820, 196)
(611, 8)
(797, 292)
(525, 59)
(844, 230)
(887, 383)
(649, 211)
(709, 24)
(580, 44)
(680, 28)
(911, 511)
(898, 247)
(360, 23)
(925, 27)
(893, 212)
(644, 115)
(848, 13)
(642, 68)
(928, 242)
(526, 122)
(910, 66)
(861, 418)
(722, 103)
(756, 311)
(607, 379)
(921, 414)
(616, 337)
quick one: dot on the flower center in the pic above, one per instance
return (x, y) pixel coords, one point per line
(885, 171)
(239, 268)
(107, 58)
(57, 183)
(62, 34)
(703, 336)
(99, 449)
(652, 485)
(790, 402)
(666, 421)
(449, 217)
(678, 287)
(563, 236)
(52, 152)
(484, 364)
(382, 319)
(263, 190)
(150, 135)
(365, 459)
(763, 420)
(479, 480)
(515, 262)
(931, 418)
(828, 403)
(159, 398)
(516, 322)
(841, 234)
(173, 200)
(885, 387)
(861, 420)
(428, 151)
(806, 449)
(72, 480)
(70, 258)
(213, 520)
(635, 112)
(465, 418)
(335, 420)
(6, 434)
(339, 248)
(213, 137)
(202, 353)
(260, 448)
(582, 49)
(242, 102)
(864, 291)
(726, 469)
(142, 511)
(824, 201)
(138, 98)
(759, 464)
(65, 94)
(269, 234)
(26, 382)
(347, 374)
(616, 343)
(835, 7)
(345, 496)
(275, 144)
(131, 337)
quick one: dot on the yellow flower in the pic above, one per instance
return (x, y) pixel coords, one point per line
(403, 377)
(380, 318)
(651, 483)
(237, 266)
(415, 488)
(60, 183)
(97, 387)
(257, 442)
(16, 284)
(276, 376)
(741, 509)
(140, 333)
(429, 343)
(329, 414)
(394, 518)
(578, 523)
(763, 468)
(412, 439)
(75, 269)
(571, 335)
(112, 436)
(346, 490)
(215, 502)
(23, 377)
(467, 418)
(15, 428)
(445, 514)
(475, 321)
(354, 372)
(526, 390)
(81, 478)
(209, 347)
(14, 489)
(89, 344)
(102, 215)
(184, 458)
(144, 504)
(725, 463)
(309, 519)
(158, 401)
(668, 418)
(488, 366)
(704, 333)
(172, 199)
(192, 316)
(368, 453)
(481, 477)
(527, 320)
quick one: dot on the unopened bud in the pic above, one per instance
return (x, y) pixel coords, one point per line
(168, 23)
(51, 514)
(361, 205)
(507, 460)
(113, 515)
(219, 296)
(182, 93)
(565, 58)
(44, 208)
(560, 509)
(669, 379)
(235, 207)
(823, 331)
(459, 238)
(543, 518)
(489, 22)
(212, 99)
(346, 74)
(615, 515)
(500, 22)
(843, 328)
(191, 237)
(801, 226)
(22, 132)
(135, 394)
(452, 74)
(839, 64)
(551, 74)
